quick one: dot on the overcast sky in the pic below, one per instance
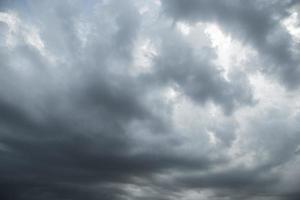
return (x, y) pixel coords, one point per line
(149, 100)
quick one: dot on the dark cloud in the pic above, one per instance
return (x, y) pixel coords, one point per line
(79, 119)
(256, 23)
(65, 134)
(179, 64)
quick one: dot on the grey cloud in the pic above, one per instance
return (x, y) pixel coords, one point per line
(196, 75)
(65, 125)
(76, 124)
(248, 180)
(256, 23)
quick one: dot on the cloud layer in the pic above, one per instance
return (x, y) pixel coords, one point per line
(110, 99)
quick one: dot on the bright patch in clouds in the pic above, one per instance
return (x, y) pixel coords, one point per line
(183, 28)
(292, 24)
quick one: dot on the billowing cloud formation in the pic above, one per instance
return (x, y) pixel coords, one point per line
(256, 23)
(149, 100)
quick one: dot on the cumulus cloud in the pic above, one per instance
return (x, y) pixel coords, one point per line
(144, 100)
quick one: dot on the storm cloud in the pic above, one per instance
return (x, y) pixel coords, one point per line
(165, 99)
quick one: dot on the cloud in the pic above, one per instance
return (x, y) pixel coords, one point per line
(112, 100)
(197, 76)
(256, 23)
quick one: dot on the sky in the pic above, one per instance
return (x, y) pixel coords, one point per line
(149, 100)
